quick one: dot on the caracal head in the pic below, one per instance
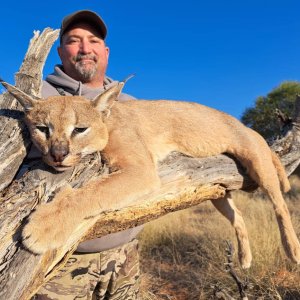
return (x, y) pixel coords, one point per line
(67, 128)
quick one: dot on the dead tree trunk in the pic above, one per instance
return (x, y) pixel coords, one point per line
(14, 139)
(185, 182)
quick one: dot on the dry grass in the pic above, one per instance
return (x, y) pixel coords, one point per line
(183, 254)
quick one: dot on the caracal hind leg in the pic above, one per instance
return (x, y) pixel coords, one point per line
(263, 171)
(228, 209)
(288, 236)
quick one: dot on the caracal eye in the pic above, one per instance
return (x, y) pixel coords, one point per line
(44, 129)
(78, 130)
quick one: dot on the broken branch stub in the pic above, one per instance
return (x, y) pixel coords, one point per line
(14, 138)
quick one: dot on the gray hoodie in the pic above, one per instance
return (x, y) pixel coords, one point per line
(59, 83)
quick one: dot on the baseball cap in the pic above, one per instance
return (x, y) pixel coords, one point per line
(87, 16)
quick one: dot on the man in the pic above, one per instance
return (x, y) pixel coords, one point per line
(108, 267)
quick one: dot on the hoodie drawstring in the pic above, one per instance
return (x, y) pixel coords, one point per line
(79, 90)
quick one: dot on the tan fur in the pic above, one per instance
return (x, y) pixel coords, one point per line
(284, 182)
(134, 136)
(228, 209)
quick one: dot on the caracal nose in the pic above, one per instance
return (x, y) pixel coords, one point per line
(59, 151)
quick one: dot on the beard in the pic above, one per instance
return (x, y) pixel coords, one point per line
(85, 70)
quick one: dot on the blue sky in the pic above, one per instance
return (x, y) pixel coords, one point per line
(222, 54)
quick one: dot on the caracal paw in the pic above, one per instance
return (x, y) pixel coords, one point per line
(49, 227)
(245, 260)
(293, 252)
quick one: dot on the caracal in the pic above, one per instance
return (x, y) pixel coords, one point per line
(134, 136)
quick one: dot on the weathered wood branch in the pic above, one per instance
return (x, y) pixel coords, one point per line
(14, 139)
(185, 182)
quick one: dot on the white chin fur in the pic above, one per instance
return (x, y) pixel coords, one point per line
(62, 168)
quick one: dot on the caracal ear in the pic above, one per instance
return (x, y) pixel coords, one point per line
(25, 100)
(107, 99)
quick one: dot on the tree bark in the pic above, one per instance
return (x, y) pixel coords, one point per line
(14, 138)
(186, 182)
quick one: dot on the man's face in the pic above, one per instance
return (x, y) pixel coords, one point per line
(84, 54)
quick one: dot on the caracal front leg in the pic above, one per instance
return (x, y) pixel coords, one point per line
(228, 209)
(51, 225)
